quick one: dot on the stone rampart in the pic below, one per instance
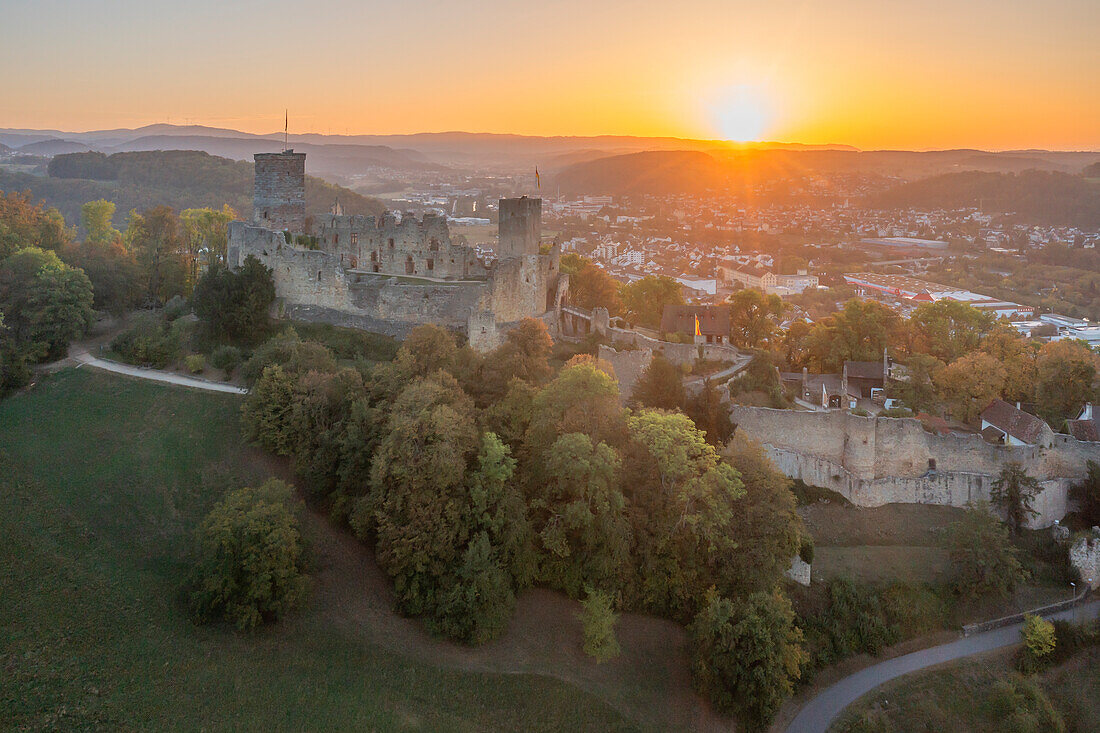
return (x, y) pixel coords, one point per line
(676, 353)
(875, 461)
(1084, 557)
(628, 365)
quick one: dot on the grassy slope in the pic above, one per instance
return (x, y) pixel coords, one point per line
(103, 479)
(972, 696)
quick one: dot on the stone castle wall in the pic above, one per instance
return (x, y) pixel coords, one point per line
(873, 461)
(279, 191)
(628, 365)
(1084, 557)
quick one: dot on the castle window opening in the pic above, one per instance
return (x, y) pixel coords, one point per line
(931, 464)
(318, 274)
(354, 238)
(431, 265)
(434, 246)
(391, 242)
(374, 257)
(409, 267)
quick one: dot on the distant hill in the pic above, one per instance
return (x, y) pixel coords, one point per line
(180, 179)
(1041, 196)
(53, 147)
(690, 172)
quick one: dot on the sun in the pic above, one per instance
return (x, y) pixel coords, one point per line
(741, 112)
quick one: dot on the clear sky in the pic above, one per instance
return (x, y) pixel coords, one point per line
(917, 74)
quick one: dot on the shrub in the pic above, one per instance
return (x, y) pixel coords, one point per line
(1039, 643)
(806, 549)
(250, 563)
(227, 358)
(860, 412)
(599, 620)
(148, 342)
(195, 363)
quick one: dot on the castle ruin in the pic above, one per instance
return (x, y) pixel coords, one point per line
(391, 273)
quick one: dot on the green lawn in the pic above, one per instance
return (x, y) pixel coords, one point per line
(102, 480)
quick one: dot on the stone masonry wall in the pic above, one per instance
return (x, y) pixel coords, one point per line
(1084, 556)
(628, 366)
(279, 191)
(874, 461)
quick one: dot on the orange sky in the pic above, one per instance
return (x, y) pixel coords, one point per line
(871, 73)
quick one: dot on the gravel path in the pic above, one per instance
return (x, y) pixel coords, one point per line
(83, 357)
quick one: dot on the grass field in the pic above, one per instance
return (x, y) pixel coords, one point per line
(984, 694)
(102, 480)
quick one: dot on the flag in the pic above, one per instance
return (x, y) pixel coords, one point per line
(697, 331)
(538, 184)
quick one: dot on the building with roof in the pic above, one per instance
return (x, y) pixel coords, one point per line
(706, 324)
(903, 287)
(1007, 424)
(751, 276)
(905, 242)
(1085, 427)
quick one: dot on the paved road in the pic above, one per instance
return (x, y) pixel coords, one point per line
(819, 713)
(156, 375)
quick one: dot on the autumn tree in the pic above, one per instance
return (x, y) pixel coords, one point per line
(1017, 355)
(1065, 380)
(96, 218)
(23, 224)
(917, 388)
(589, 285)
(156, 240)
(205, 235)
(947, 329)
(1013, 492)
(967, 385)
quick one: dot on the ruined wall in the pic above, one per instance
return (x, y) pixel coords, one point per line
(678, 354)
(874, 461)
(628, 366)
(526, 286)
(1084, 557)
(279, 191)
(409, 246)
(300, 275)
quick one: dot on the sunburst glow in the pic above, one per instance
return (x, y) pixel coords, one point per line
(742, 112)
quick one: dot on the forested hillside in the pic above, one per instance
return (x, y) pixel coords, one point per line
(177, 178)
(1044, 196)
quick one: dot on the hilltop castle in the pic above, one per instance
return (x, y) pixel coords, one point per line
(388, 274)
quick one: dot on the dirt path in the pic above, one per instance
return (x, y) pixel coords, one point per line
(81, 356)
(649, 683)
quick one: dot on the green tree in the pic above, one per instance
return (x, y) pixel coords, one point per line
(47, 303)
(983, 559)
(752, 317)
(947, 329)
(235, 305)
(250, 565)
(1017, 355)
(156, 240)
(644, 300)
(598, 620)
(578, 517)
(710, 414)
(267, 411)
(1039, 642)
(96, 218)
(767, 527)
(14, 372)
(661, 385)
(746, 657)
(1013, 492)
(427, 349)
(917, 389)
(205, 238)
(581, 399)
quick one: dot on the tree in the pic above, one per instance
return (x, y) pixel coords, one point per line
(427, 349)
(1066, 379)
(250, 565)
(23, 224)
(661, 385)
(46, 303)
(266, 413)
(710, 414)
(1087, 494)
(581, 399)
(1039, 641)
(947, 329)
(767, 527)
(860, 332)
(969, 384)
(1017, 355)
(113, 272)
(14, 372)
(235, 305)
(578, 517)
(746, 657)
(917, 389)
(206, 237)
(156, 240)
(96, 218)
(751, 317)
(598, 620)
(644, 300)
(589, 285)
(1013, 493)
(524, 355)
(983, 559)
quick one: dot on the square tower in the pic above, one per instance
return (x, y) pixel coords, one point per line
(519, 228)
(279, 193)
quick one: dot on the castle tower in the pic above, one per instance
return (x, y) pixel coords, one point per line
(519, 227)
(279, 195)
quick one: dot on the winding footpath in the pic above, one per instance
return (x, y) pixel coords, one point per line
(84, 358)
(818, 714)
